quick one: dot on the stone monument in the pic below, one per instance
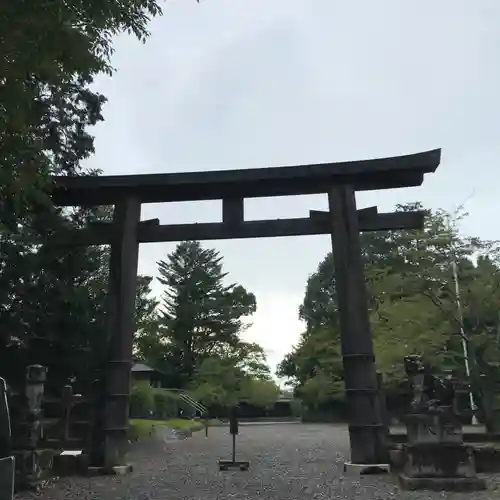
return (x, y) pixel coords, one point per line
(436, 457)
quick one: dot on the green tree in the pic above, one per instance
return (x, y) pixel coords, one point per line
(411, 301)
(146, 306)
(55, 309)
(50, 52)
(315, 359)
(217, 381)
(226, 381)
(260, 392)
(201, 317)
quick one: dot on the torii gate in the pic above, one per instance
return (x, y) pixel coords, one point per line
(343, 222)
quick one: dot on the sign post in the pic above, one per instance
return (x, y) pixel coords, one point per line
(233, 430)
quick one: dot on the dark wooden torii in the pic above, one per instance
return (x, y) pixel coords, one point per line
(343, 222)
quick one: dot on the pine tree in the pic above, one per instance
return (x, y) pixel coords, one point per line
(201, 315)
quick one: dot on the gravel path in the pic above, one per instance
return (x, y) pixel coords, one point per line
(288, 462)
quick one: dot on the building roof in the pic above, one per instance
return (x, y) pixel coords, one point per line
(141, 367)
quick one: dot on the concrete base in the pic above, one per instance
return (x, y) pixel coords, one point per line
(70, 463)
(366, 469)
(117, 470)
(442, 483)
(230, 465)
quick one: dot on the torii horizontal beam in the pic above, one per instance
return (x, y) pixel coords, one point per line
(318, 223)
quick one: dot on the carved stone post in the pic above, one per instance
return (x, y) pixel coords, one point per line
(95, 447)
(31, 428)
(66, 405)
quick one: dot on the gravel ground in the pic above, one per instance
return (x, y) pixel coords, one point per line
(287, 462)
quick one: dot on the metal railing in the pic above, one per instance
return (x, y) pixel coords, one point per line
(189, 400)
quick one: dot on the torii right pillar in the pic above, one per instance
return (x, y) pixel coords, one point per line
(365, 416)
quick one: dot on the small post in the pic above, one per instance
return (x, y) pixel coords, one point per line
(96, 438)
(233, 422)
(66, 404)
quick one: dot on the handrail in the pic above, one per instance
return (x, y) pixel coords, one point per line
(194, 403)
(189, 400)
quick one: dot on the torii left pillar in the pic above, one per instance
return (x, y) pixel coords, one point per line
(121, 328)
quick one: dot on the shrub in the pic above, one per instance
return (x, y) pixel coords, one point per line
(139, 429)
(166, 404)
(142, 401)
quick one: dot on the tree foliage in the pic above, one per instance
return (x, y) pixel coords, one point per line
(200, 319)
(52, 298)
(53, 311)
(50, 53)
(412, 305)
(196, 336)
(226, 381)
(262, 393)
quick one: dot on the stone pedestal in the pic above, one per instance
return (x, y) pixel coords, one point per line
(433, 429)
(436, 458)
(445, 460)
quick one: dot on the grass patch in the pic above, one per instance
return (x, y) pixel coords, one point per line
(142, 428)
(184, 425)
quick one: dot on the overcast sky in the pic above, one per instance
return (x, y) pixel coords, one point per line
(254, 83)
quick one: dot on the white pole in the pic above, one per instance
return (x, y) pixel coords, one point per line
(465, 349)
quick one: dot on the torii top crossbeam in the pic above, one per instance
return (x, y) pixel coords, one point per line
(384, 173)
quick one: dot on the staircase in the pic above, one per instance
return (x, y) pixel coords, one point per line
(191, 402)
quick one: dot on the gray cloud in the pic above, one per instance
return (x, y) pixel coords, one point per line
(252, 83)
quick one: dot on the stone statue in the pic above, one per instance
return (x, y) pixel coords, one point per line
(435, 454)
(431, 394)
(421, 383)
